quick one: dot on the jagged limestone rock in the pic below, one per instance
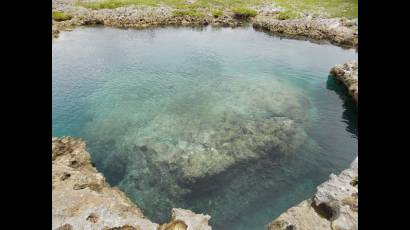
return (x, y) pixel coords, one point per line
(335, 30)
(333, 207)
(348, 74)
(81, 199)
(186, 220)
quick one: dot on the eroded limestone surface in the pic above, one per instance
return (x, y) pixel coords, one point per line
(338, 31)
(81, 199)
(135, 17)
(334, 206)
(186, 220)
(348, 74)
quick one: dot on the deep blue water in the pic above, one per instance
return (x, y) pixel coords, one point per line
(233, 123)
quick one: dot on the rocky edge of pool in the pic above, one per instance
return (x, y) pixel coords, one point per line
(339, 31)
(81, 197)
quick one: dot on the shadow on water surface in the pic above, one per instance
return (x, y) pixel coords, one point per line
(301, 38)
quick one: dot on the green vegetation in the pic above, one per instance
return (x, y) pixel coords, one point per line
(187, 12)
(217, 13)
(293, 8)
(284, 15)
(60, 16)
(330, 8)
(228, 4)
(106, 4)
(244, 12)
(208, 4)
(111, 4)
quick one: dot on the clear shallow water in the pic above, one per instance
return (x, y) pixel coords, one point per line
(229, 122)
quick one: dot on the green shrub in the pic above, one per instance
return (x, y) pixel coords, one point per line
(285, 15)
(244, 12)
(60, 16)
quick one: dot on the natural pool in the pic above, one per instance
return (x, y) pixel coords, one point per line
(233, 123)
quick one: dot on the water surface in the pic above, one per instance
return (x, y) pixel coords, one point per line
(233, 123)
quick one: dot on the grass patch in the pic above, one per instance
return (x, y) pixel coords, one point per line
(244, 12)
(217, 13)
(330, 8)
(229, 4)
(285, 15)
(209, 4)
(106, 4)
(112, 4)
(60, 16)
(187, 12)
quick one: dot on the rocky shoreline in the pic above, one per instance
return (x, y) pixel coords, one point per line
(334, 206)
(338, 31)
(82, 199)
(335, 203)
(347, 74)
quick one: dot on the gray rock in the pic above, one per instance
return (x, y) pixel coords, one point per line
(186, 220)
(348, 75)
(81, 199)
(315, 28)
(334, 206)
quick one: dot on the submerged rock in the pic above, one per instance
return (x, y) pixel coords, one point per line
(348, 74)
(198, 134)
(81, 199)
(334, 206)
(158, 156)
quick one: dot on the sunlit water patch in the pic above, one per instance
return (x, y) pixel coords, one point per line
(233, 123)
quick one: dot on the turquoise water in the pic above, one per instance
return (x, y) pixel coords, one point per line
(233, 123)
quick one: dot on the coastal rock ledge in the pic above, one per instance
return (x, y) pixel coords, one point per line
(334, 206)
(82, 199)
(336, 30)
(348, 74)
